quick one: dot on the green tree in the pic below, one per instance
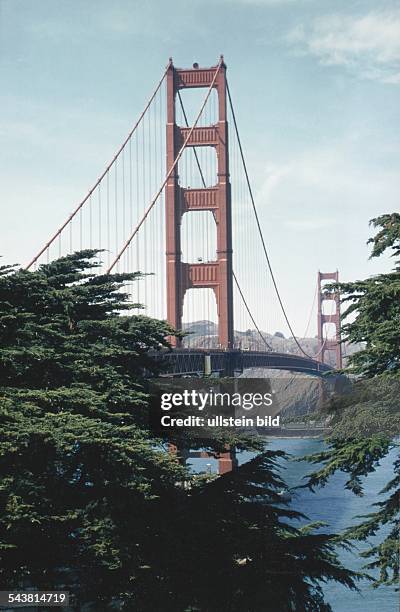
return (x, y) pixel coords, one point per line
(366, 422)
(78, 466)
(376, 304)
(90, 498)
(243, 552)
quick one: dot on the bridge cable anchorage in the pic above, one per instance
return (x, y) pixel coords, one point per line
(170, 171)
(233, 273)
(260, 230)
(106, 171)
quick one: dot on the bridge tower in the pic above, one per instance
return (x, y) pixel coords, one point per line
(216, 275)
(325, 345)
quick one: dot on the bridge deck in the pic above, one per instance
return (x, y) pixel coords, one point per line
(192, 362)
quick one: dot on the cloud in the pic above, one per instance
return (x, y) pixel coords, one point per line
(308, 191)
(368, 46)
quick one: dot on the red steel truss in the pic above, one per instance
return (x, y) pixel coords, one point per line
(216, 275)
(324, 343)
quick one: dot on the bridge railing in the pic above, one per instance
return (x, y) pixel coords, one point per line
(180, 362)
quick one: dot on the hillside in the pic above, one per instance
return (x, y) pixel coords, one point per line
(204, 334)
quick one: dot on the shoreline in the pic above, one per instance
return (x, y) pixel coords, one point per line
(289, 433)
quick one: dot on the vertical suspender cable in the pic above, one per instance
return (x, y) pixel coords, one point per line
(99, 180)
(260, 230)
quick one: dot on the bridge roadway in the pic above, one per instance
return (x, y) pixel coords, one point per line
(195, 362)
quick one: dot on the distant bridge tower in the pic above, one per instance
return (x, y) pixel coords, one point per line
(216, 275)
(332, 344)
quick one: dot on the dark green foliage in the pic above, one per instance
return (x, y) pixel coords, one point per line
(78, 466)
(385, 556)
(90, 499)
(388, 236)
(358, 457)
(370, 407)
(241, 550)
(376, 303)
(366, 422)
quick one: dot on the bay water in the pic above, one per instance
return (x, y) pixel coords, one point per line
(339, 508)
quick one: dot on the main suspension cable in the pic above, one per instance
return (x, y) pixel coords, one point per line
(311, 311)
(259, 228)
(249, 312)
(99, 180)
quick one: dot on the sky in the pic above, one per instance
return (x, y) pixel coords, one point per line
(316, 85)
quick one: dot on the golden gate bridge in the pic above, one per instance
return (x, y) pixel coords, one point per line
(176, 203)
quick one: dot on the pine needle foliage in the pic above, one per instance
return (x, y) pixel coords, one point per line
(366, 422)
(90, 499)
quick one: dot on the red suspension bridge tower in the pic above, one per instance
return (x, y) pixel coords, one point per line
(216, 275)
(324, 343)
